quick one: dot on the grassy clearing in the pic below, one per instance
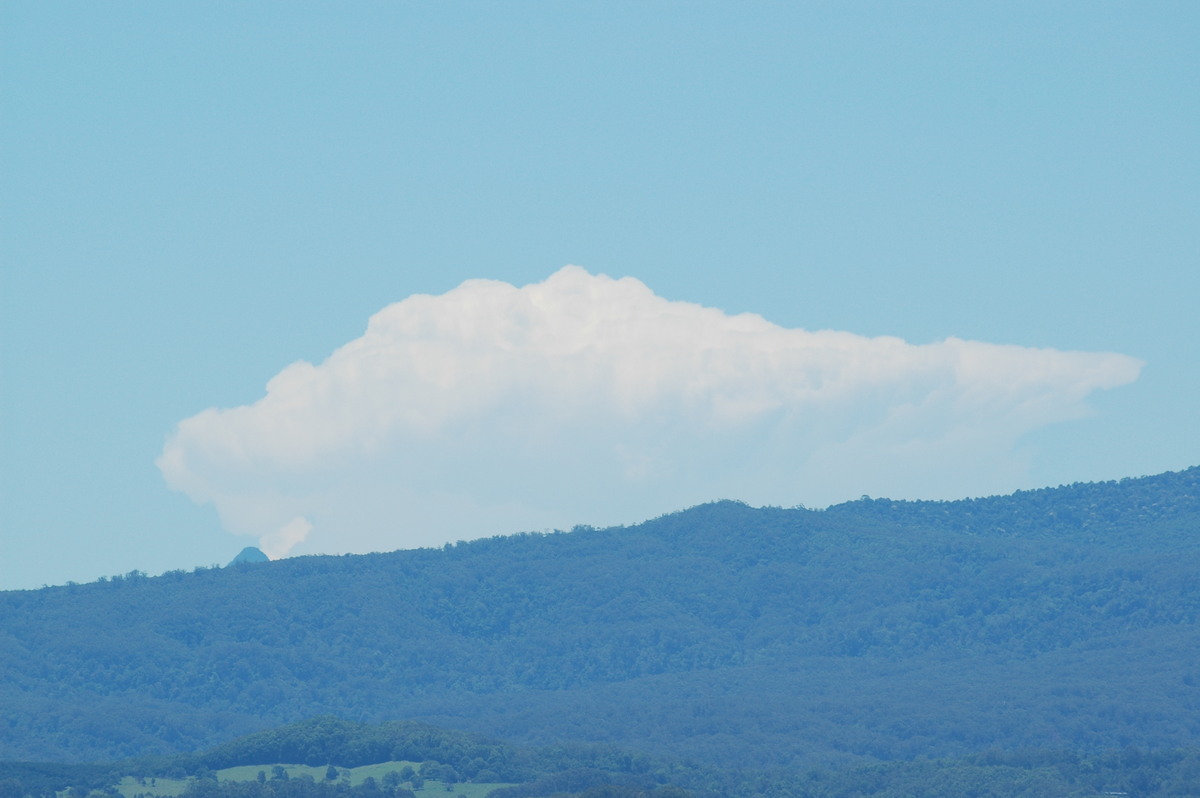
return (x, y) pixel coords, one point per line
(377, 772)
(250, 772)
(356, 775)
(162, 787)
(468, 790)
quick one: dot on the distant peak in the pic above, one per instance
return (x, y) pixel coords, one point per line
(250, 554)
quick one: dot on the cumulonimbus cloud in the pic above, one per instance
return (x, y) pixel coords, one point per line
(583, 399)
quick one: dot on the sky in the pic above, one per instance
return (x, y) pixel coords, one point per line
(330, 278)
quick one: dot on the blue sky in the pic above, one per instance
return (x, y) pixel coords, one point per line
(196, 196)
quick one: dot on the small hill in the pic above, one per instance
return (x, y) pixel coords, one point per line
(250, 554)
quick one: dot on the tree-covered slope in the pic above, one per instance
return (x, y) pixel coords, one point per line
(1064, 617)
(404, 759)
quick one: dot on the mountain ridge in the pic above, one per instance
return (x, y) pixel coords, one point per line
(781, 636)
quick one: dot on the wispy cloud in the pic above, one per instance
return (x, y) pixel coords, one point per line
(584, 399)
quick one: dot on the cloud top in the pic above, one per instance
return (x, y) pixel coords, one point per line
(585, 399)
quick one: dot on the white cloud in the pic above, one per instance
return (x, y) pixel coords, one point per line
(282, 540)
(583, 399)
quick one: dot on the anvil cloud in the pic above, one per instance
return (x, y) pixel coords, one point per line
(583, 399)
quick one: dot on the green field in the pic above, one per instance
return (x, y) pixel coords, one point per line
(130, 787)
(168, 788)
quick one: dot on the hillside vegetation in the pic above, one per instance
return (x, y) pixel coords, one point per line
(1057, 619)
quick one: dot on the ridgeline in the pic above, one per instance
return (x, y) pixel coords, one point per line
(1057, 619)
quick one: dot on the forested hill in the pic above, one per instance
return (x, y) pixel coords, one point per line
(1063, 618)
